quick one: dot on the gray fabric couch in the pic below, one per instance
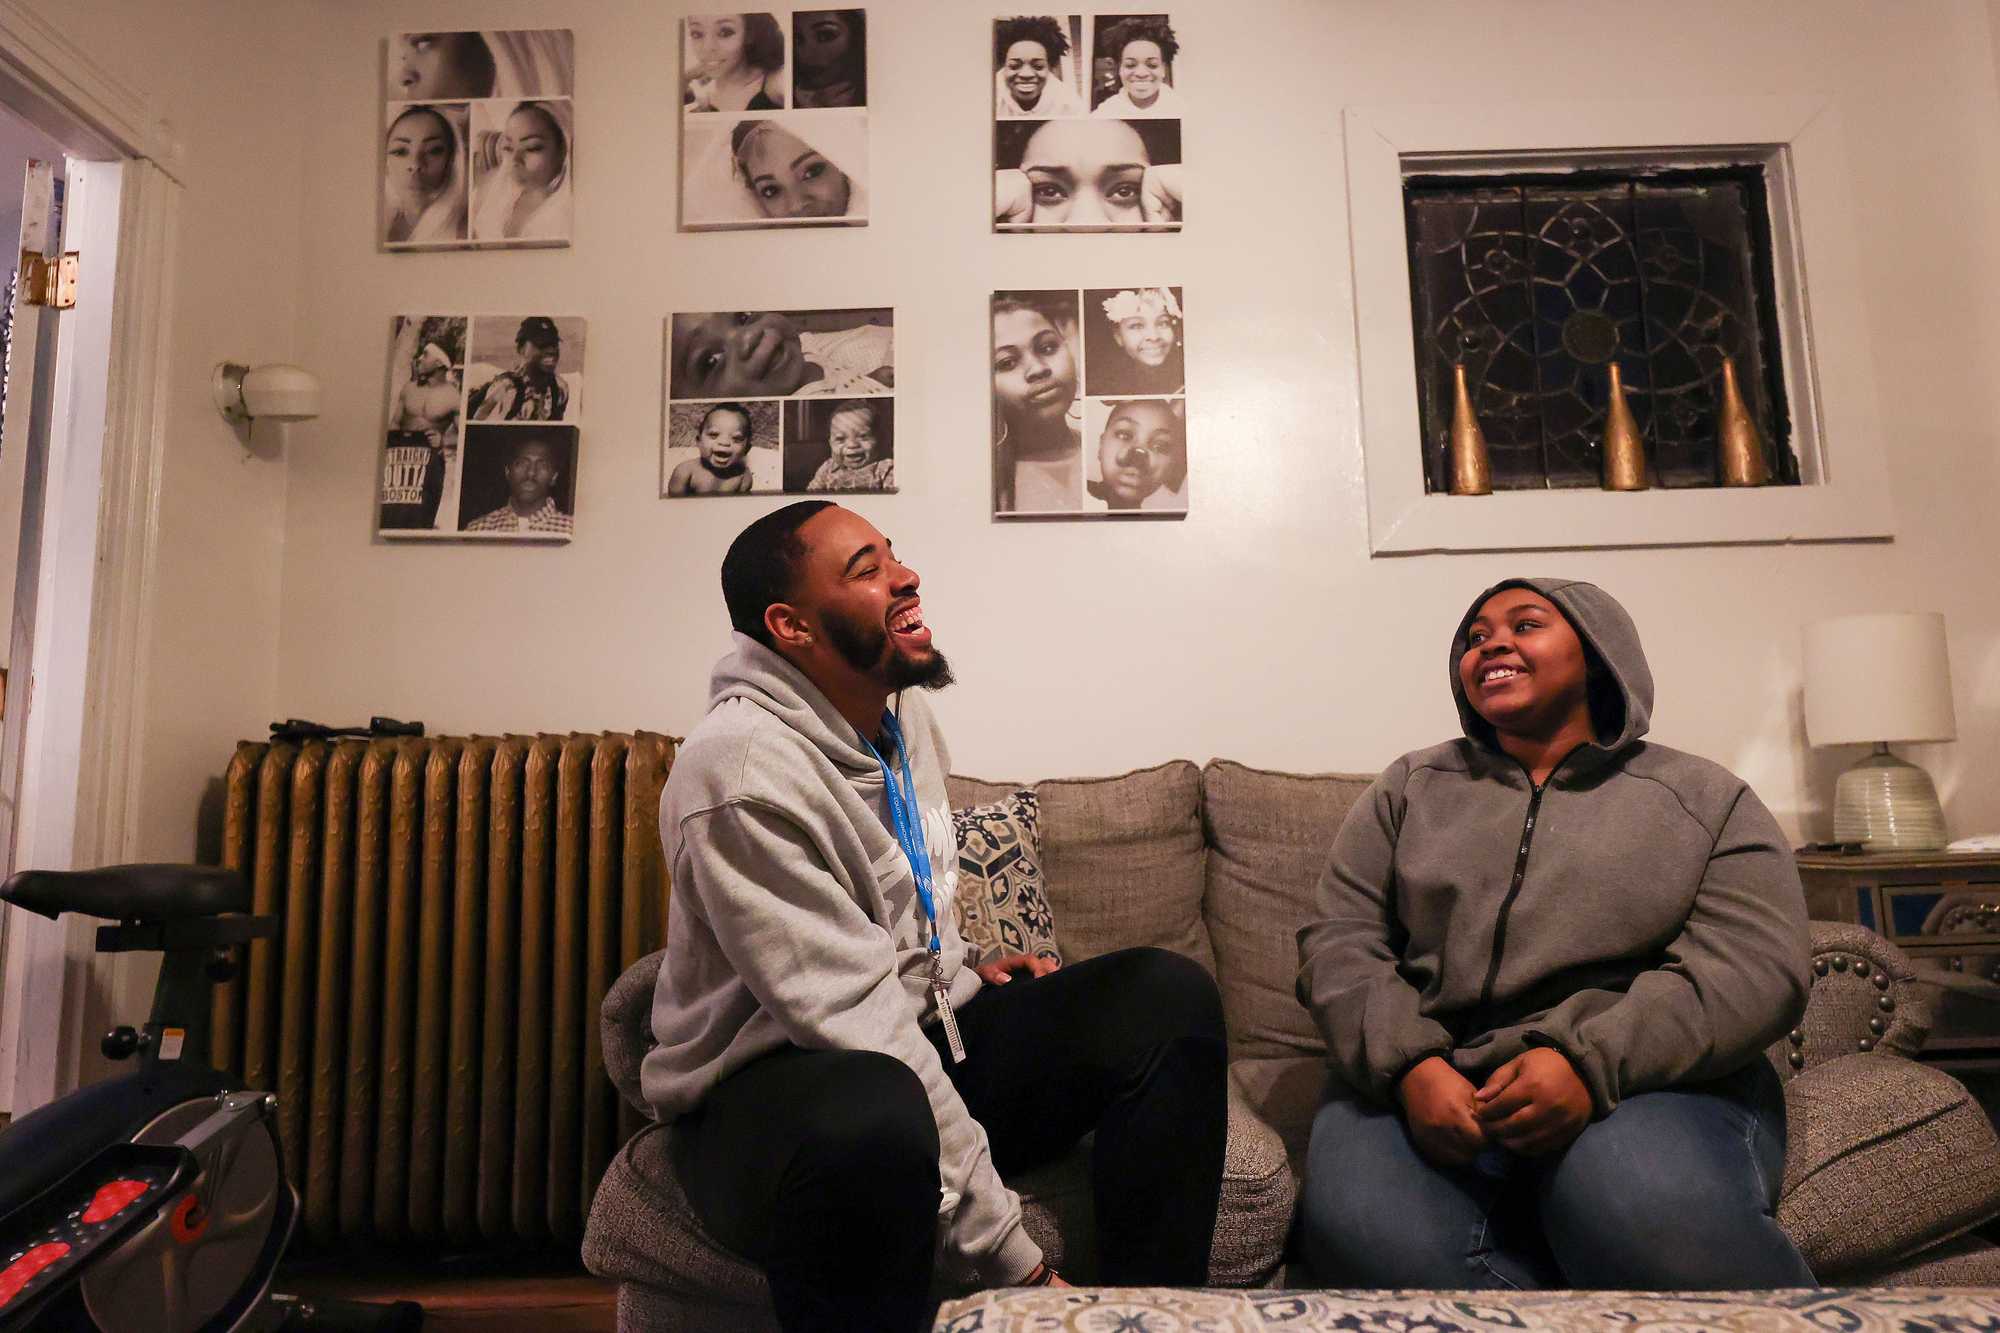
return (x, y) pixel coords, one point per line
(1891, 1163)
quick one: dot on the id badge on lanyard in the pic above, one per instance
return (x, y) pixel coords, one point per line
(907, 820)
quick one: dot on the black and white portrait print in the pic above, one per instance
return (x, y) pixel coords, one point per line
(1075, 433)
(829, 58)
(733, 62)
(526, 368)
(1037, 408)
(775, 133)
(801, 169)
(729, 447)
(1135, 459)
(520, 482)
(1134, 341)
(497, 379)
(1132, 67)
(840, 444)
(1087, 123)
(1087, 175)
(779, 400)
(1038, 67)
(479, 139)
(781, 353)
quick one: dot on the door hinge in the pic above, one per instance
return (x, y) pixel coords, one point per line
(50, 280)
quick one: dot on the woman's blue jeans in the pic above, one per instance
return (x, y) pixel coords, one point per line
(1671, 1191)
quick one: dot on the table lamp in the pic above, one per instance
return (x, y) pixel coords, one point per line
(1874, 679)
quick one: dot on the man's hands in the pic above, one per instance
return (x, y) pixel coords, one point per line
(1438, 1104)
(1534, 1104)
(1000, 971)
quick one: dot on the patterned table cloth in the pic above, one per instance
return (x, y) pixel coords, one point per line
(1165, 1310)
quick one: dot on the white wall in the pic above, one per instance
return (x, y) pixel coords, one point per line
(1258, 629)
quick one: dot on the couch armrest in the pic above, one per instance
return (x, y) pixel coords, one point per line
(625, 1026)
(1884, 1157)
(1865, 997)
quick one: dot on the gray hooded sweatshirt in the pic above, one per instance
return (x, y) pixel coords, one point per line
(795, 918)
(1640, 912)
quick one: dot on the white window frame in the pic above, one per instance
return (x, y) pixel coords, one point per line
(1829, 374)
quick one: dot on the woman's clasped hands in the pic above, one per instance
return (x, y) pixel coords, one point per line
(1533, 1105)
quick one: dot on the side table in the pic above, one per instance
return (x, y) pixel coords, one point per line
(1943, 910)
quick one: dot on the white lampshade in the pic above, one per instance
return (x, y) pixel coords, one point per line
(1875, 678)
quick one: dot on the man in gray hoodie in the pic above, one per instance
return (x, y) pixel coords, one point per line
(1548, 958)
(844, 1081)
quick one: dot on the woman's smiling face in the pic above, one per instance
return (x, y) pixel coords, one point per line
(790, 178)
(1034, 373)
(534, 147)
(1084, 171)
(1149, 338)
(420, 151)
(1027, 72)
(1142, 72)
(715, 44)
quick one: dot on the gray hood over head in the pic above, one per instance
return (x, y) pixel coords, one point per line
(1621, 684)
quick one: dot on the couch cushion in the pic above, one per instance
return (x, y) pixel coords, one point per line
(1885, 1158)
(1252, 1218)
(1285, 1092)
(1966, 1261)
(1269, 838)
(1002, 905)
(642, 1229)
(1123, 857)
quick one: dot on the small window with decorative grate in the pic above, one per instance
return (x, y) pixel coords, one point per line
(1538, 284)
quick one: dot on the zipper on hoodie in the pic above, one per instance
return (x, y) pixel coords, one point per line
(1520, 871)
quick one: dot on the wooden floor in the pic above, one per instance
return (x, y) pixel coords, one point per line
(468, 1296)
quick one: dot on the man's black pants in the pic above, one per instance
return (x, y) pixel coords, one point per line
(822, 1166)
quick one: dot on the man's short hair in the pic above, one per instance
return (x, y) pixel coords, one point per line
(762, 565)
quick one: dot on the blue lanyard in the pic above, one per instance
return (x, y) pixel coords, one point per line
(906, 818)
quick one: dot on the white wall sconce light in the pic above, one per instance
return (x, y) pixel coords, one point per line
(275, 392)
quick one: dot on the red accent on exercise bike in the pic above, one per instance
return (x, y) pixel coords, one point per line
(23, 1270)
(189, 1221)
(112, 1199)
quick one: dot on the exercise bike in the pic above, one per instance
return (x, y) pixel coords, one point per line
(156, 1200)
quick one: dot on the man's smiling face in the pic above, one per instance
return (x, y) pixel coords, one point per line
(867, 602)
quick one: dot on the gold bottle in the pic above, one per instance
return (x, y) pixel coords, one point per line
(1624, 448)
(1740, 445)
(1471, 473)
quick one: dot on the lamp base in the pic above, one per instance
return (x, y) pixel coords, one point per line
(1888, 804)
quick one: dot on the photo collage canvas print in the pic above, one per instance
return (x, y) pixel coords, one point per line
(780, 401)
(774, 125)
(1089, 403)
(478, 140)
(483, 431)
(1086, 123)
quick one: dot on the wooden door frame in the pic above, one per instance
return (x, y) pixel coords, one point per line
(53, 82)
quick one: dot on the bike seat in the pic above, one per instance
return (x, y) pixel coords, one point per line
(131, 893)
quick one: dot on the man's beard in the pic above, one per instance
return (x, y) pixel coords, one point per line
(864, 646)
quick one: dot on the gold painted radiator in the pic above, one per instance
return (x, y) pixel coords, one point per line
(454, 909)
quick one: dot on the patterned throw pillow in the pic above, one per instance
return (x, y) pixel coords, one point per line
(1001, 905)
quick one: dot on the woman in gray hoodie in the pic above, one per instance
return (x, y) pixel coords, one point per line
(1547, 961)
